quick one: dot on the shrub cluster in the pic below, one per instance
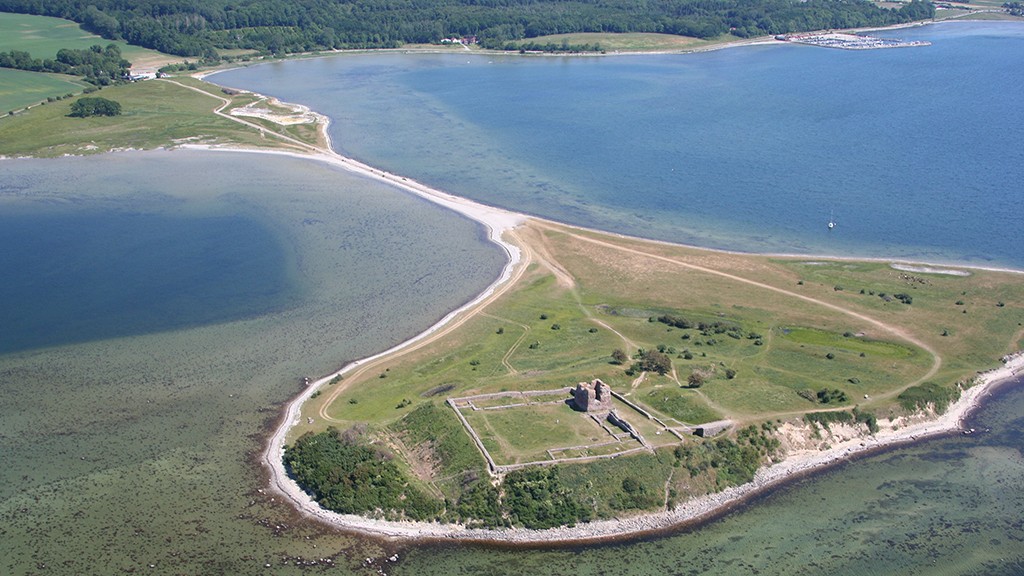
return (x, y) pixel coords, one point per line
(825, 395)
(94, 106)
(346, 475)
(634, 496)
(650, 361)
(920, 396)
(856, 415)
(732, 463)
(532, 497)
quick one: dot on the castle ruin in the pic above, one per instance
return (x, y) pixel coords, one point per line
(592, 397)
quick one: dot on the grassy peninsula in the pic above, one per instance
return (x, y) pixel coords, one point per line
(784, 355)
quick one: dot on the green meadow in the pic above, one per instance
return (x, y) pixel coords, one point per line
(42, 37)
(19, 88)
(155, 114)
(761, 332)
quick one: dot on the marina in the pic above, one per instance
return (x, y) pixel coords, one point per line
(850, 41)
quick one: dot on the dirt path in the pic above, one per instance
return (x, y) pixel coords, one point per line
(639, 379)
(863, 317)
(263, 131)
(526, 332)
(629, 343)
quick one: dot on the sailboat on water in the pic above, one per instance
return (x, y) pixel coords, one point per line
(831, 221)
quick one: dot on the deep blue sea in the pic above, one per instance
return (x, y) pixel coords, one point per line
(916, 153)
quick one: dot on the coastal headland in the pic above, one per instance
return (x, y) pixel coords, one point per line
(907, 318)
(906, 353)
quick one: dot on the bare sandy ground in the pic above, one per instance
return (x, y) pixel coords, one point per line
(930, 270)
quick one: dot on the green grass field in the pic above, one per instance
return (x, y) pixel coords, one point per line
(19, 89)
(523, 434)
(543, 336)
(42, 37)
(155, 114)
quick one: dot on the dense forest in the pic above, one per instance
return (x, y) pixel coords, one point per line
(198, 28)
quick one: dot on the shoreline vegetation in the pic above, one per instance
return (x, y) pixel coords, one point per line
(502, 226)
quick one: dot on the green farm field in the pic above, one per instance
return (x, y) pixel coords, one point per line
(19, 88)
(42, 37)
(634, 42)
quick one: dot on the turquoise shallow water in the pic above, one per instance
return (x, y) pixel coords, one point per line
(915, 151)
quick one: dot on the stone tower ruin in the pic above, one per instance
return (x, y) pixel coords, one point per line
(592, 397)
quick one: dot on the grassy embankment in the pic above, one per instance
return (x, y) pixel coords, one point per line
(797, 330)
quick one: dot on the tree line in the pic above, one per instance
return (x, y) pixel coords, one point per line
(198, 28)
(98, 65)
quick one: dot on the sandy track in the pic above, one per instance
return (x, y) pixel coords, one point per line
(512, 350)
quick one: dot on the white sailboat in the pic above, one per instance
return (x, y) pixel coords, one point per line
(831, 221)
